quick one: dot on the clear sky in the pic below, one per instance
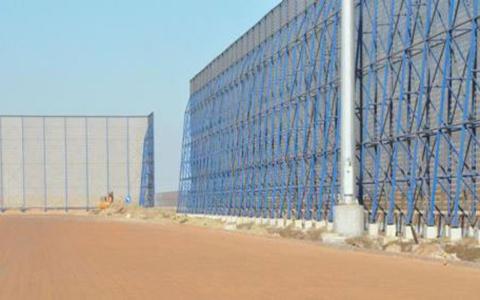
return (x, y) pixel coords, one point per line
(116, 57)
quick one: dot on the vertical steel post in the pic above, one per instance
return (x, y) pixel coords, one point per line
(66, 161)
(348, 216)
(45, 190)
(128, 159)
(107, 145)
(348, 102)
(23, 165)
(2, 187)
(87, 171)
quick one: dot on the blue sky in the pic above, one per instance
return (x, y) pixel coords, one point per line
(116, 57)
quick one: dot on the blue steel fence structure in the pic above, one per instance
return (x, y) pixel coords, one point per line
(71, 162)
(261, 134)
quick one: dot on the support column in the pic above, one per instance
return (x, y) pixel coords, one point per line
(2, 186)
(348, 214)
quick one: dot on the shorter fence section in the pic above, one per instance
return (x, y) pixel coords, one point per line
(71, 162)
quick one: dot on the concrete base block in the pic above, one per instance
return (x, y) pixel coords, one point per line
(248, 220)
(231, 224)
(391, 231)
(330, 226)
(320, 224)
(408, 233)
(477, 235)
(455, 234)
(349, 220)
(430, 232)
(471, 232)
(258, 221)
(298, 224)
(373, 229)
(308, 225)
(280, 223)
(288, 222)
(446, 231)
(272, 222)
(265, 221)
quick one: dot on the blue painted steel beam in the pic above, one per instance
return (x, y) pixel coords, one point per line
(261, 137)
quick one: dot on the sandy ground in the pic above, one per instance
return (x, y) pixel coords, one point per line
(53, 257)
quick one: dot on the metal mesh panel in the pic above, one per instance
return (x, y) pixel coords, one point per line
(71, 162)
(261, 139)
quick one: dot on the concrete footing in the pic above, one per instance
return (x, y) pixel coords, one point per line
(455, 234)
(320, 224)
(231, 224)
(477, 235)
(330, 226)
(298, 224)
(349, 220)
(471, 232)
(446, 231)
(430, 232)
(280, 223)
(408, 233)
(347, 216)
(373, 229)
(308, 225)
(391, 231)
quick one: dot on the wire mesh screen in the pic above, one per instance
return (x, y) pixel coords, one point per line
(57, 162)
(261, 135)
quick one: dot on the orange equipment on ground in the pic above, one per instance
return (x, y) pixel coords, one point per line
(106, 201)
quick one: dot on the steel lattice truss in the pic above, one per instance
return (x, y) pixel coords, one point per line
(261, 139)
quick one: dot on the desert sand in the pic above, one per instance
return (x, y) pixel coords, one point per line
(74, 257)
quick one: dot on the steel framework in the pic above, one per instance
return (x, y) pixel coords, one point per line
(260, 131)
